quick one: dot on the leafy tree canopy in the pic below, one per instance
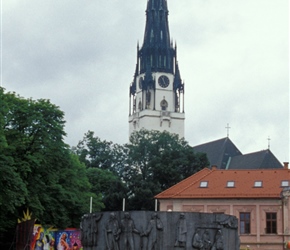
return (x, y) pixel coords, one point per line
(157, 161)
(152, 162)
(104, 161)
(38, 170)
(96, 153)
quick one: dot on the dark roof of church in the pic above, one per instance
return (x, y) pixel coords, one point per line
(219, 151)
(264, 159)
(225, 155)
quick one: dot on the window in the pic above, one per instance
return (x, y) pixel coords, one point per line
(203, 184)
(271, 223)
(230, 184)
(284, 183)
(258, 184)
(164, 105)
(245, 223)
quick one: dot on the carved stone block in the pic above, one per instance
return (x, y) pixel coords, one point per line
(140, 230)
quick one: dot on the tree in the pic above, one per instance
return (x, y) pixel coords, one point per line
(157, 161)
(40, 171)
(109, 185)
(103, 161)
(96, 153)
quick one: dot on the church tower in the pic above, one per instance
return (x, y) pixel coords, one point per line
(157, 92)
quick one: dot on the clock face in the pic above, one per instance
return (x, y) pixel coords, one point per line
(140, 82)
(163, 81)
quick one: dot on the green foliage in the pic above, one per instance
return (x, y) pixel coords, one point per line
(109, 186)
(150, 163)
(96, 153)
(38, 170)
(157, 161)
(103, 161)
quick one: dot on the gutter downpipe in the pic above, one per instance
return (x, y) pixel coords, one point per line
(283, 223)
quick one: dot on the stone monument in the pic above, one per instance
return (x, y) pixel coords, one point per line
(147, 230)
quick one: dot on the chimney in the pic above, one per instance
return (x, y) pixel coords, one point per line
(286, 165)
(213, 167)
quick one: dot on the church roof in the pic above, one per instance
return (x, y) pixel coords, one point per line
(233, 184)
(219, 151)
(224, 154)
(264, 159)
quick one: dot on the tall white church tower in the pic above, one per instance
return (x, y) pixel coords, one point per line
(157, 91)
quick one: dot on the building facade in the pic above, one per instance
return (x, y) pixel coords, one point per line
(258, 198)
(157, 92)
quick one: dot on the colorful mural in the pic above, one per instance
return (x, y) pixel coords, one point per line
(68, 239)
(43, 239)
(53, 239)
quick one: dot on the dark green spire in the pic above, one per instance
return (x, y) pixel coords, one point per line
(157, 51)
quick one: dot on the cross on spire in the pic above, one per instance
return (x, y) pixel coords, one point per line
(228, 130)
(269, 139)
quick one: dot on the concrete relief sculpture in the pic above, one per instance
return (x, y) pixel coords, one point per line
(112, 233)
(219, 241)
(230, 222)
(89, 229)
(197, 240)
(181, 232)
(206, 240)
(147, 230)
(154, 233)
(127, 229)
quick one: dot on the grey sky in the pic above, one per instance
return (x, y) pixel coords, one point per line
(233, 57)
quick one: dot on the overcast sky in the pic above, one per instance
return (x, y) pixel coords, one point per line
(233, 57)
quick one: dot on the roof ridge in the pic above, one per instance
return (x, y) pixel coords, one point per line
(221, 139)
(209, 172)
(223, 148)
(265, 157)
(263, 151)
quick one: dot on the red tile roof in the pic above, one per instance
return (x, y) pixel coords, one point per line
(217, 179)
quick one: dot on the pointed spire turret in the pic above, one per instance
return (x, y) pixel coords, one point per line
(177, 83)
(133, 84)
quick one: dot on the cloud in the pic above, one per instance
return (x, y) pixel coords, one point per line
(233, 57)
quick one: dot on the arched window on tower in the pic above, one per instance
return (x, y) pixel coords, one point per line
(140, 106)
(164, 105)
(151, 36)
